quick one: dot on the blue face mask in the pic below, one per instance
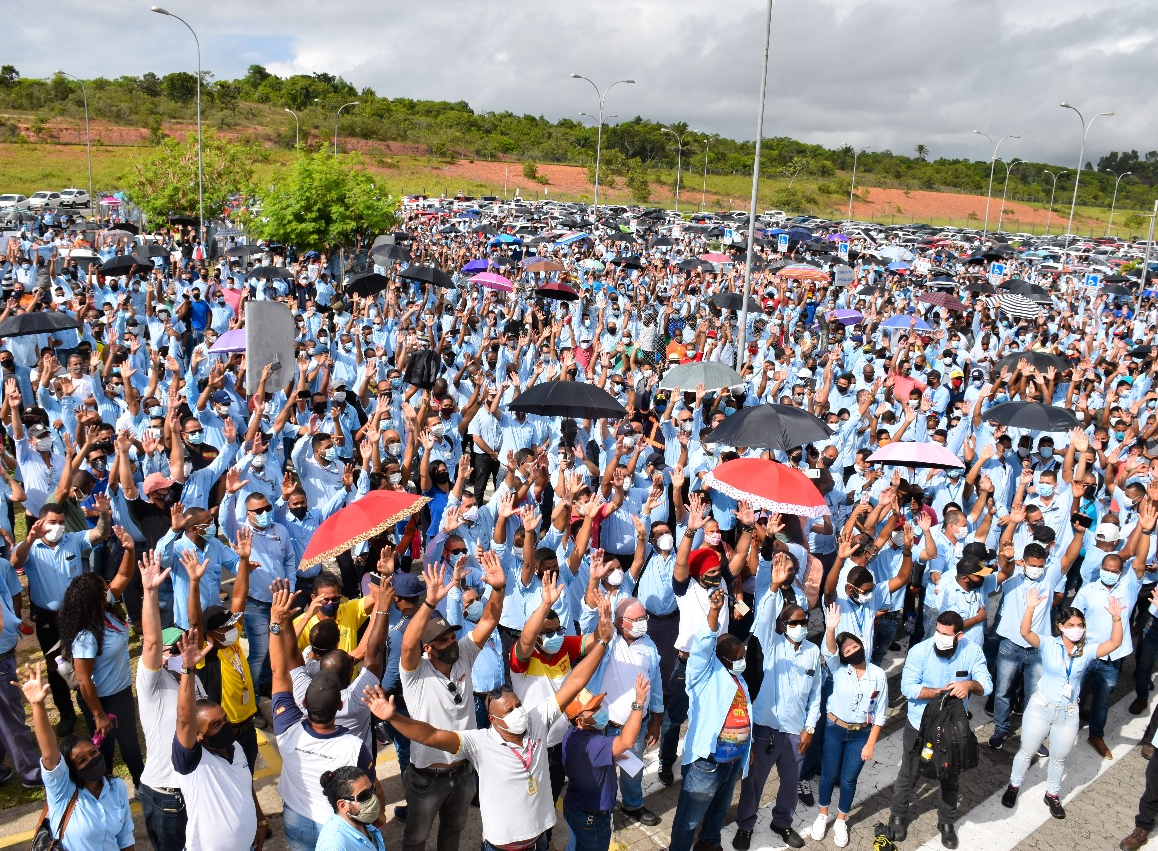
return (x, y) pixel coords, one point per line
(728, 411)
(1045, 489)
(1119, 435)
(1108, 578)
(553, 643)
(332, 453)
(660, 408)
(1045, 452)
(262, 520)
(474, 611)
(954, 474)
(396, 383)
(600, 718)
(330, 609)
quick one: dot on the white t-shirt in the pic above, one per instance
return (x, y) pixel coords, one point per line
(694, 605)
(355, 714)
(157, 706)
(218, 798)
(430, 698)
(511, 812)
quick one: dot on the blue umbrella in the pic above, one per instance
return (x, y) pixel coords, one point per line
(800, 234)
(506, 238)
(475, 266)
(897, 266)
(903, 323)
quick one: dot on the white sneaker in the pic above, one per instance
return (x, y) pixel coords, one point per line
(820, 826)
(840, 832)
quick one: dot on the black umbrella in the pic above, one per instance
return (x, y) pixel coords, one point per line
(662, 242)
(126, 227)
(122, 264)
(367, 283)
(628, 262)
(982, 288)
(1117, 279)
(37, 322)
(187, 221)
(391, 253)
(401, 236)
(870, 291)
(1141, 351)
(734, 301)
(1118, 290)
(150, 250)
(1033, 292)
(695, 264)
(1033, 415)
(271, 272)
(244, 250)
(576, 399)
(484, 230)
(1039, 360)
(84, 226)
(770, 427)
(621, 237)
(429, 274)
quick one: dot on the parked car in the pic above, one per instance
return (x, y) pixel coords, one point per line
(11, 202)
(43, 200)
(74, 198)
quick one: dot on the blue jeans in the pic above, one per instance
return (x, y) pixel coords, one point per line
(301, 833)
(885, 630)
(1100, 680)
(1013, 661)
(165, 818)
(810, 767)
(631, 788)
(704, 800)
(675, 705)
(588, 833)
(1147, 654)
(841, 762)
(256, 621)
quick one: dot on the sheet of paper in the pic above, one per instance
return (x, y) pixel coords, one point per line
(630, 763)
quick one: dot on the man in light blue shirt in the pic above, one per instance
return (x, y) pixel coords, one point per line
(946, 664)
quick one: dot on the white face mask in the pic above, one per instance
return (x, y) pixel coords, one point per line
(394, 449)
(394, 478)
(53, 532)
(515, 721)
(1034, 572)
(664, 543)
(942, 641)
(1074, 633)
(258, 462)
(470, 515)
(615, 577)
(796, 633)
(44, 444)
(230, 637)
(638, 629)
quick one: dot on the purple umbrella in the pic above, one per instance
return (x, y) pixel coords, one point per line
(230, 341)
(846, 316)
(475, 266)
(905, 322)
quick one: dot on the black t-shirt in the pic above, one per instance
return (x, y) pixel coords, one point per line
(153, 522)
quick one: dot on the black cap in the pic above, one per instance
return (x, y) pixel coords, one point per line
(324, 694)
(437, 627)
(214, 618)
(655, 459)
(978, 552)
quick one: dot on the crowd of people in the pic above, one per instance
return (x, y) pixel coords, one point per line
(572, 592)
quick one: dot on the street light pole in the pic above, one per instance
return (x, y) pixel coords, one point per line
(1055, 175)
(743, 329)
(297, 128)
(992, 162)
(87, 136)
(704, 189)
(338, 115)
(852, 188)
(1081, 156)
(679, 160)
(1149, 243)
(1008, 168)
(599, 132)
(1114, 203)
(200, 175)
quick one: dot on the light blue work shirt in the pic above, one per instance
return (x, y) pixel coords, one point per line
(1015, 591)
(219, 556)
(272, 555)
(50, 569)
(488, 672)
(199, 484)
(111, 672)
(337, 834)
(793, 705)
(711, 689)
(103, 823)
(925, 669)
(655, 590)
(10, 634)
(857, 700)
(1061, 673)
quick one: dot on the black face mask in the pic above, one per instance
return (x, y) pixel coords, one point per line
(95, 770)
(447, 655)
(441, 477)
(854, 658)
(222, 740)
(319, 408)
(300, 511)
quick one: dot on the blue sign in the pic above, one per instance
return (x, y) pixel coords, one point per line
(842, 250)
(1093, 280)
(997, 269)
(782, 242)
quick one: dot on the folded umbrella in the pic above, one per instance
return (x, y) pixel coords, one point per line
(360, 521)
(768, 486)
(912, 454)
(575, 399)
(1033, 416)
(770, 426)
(712, 375)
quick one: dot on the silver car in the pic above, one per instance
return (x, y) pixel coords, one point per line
(11, 202)
(74, 198)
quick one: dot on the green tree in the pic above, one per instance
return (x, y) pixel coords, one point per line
(179, 86)
(8, 75)
(531, 171)
(922, 152)
(323, 202)
(166, 181)
(639, 185)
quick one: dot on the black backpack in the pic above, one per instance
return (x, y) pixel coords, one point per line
(946, 743)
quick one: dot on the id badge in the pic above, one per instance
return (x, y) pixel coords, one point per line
(1068, 691)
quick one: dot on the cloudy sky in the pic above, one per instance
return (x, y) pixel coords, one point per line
(874, 73)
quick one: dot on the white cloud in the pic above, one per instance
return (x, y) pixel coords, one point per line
(875, 73)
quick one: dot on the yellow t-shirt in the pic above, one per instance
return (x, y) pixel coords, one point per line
(350, 617)
(237, 695)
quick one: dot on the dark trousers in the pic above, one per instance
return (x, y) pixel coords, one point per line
(1099, 682)
(125, 731)
(909, 776)
(445, 797)
(664, 630)
(485, 470)
(770, 748)
(1148, 803)
(165, 817)
(675, 713)
(1147, 654)
(246, 736)
(16, 739)
(48, 634)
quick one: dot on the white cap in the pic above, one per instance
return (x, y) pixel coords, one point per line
(1108, 533)
(804, 372)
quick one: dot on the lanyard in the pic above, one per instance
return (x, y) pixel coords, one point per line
(525, 763)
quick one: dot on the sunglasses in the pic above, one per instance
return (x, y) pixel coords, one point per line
(452, 687)
(362, 797)
(796, 622)
(456, 553)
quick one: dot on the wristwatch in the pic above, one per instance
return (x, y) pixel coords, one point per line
(636, 707)
(275, 629)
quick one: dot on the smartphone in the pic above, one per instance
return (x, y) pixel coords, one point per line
(375, 579)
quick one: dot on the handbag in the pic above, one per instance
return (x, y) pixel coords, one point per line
(43, 840)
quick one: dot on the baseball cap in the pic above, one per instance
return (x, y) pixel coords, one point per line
(407, 585)
(221, 397)
(38, 430)
(1107, 533)
(324, 694)
(656, 460)
(584, 701)
(436, 628)
(215, 618)
(978, 552)
(976, 374)
(972, 567)
(156, 481)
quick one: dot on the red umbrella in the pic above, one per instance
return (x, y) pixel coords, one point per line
(945, 300)
(768, 485)
(558, 291)
(359, 521)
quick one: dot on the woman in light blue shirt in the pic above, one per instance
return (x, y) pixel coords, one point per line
(1053, 709)
(100, 819)
(856, 715)
(356, 808)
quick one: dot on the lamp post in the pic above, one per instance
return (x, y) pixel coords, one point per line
(338, 115)
(87, 135)
(704, 189)
(602, 95)
(679, 160)
(297, 128)
(1008, 168)
(1114, 203)
(743, 347)
(992, 162)
(852, 188)
(1055, 175)
(1081, 156)
(200, 176)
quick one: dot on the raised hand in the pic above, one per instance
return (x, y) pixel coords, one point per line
(436, 587)
(781, 569)
(281, 608)
(831, 615)
(493, 573)
(506, 507)
(34, 685)
(716, 600)
(1114, 607)
(696, 518)
(380, 705)
(234, 482)
(124, 537)
(244, 545)
(194, 568)
(152, 577)
(192, 653)
(745, 514)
